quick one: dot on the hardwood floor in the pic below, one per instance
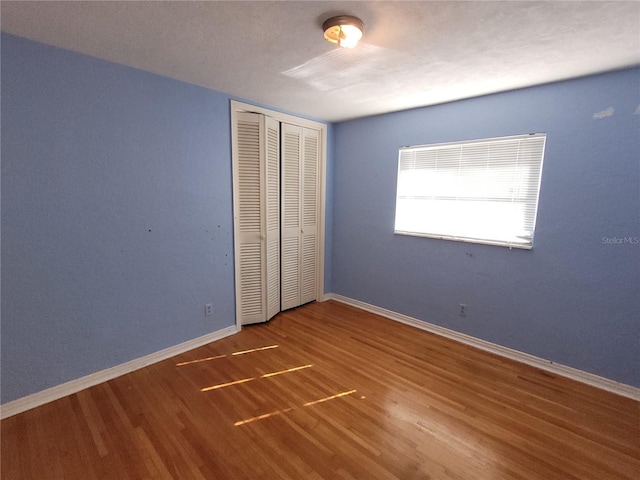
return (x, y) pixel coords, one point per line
(328, 391)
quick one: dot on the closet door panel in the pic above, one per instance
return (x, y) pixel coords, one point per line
(250, 128)
(290, 203)
(309, 212)
(272, 203)
(300, 157)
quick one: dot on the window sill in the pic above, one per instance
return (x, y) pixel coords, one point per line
(497, 243)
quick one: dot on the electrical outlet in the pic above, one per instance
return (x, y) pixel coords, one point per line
(208, 309)
(462, 310)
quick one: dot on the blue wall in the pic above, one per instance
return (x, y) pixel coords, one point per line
(573, 299)
(117, 221)
(116, 215)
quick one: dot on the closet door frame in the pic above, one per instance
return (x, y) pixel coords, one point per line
(238, 107)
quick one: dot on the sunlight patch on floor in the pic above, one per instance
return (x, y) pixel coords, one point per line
(337, 395)
(259, 349)
(308, 404)
(255, 350)
(245, 380)
(262, 417)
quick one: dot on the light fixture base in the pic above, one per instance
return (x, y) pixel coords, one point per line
(344, 30)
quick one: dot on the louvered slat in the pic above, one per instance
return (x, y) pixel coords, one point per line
(249, 175)
(310, 179)
(251, 280)
(290, 273)
(308, 287)
(273, 277)
(291, 178)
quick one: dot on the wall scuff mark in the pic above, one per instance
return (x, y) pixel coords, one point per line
(604, 113)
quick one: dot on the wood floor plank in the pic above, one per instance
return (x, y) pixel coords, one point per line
(328, 391)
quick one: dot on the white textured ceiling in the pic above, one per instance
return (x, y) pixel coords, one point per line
(412, 54)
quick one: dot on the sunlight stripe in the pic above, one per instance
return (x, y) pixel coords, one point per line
(222, 385)
(199, 360)
(259, 349)
(266, 375)
(261, 417)
(330, 398)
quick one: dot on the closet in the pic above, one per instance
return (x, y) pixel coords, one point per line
(276, 169)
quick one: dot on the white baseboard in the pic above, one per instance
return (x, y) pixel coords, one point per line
(54, 393)
(562, 370)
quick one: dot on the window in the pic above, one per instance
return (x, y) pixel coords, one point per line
(482, 191)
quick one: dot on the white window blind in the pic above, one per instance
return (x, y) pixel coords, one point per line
(483, 191)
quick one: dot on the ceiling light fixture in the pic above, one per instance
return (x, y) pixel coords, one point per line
(344, 30)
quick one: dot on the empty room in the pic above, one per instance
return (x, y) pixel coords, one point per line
(320, 240)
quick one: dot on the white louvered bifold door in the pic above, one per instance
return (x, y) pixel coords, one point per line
(258, 217)
(273, 215)
(309, 211)
(300, 154)
(250, 128)
(290, 230)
